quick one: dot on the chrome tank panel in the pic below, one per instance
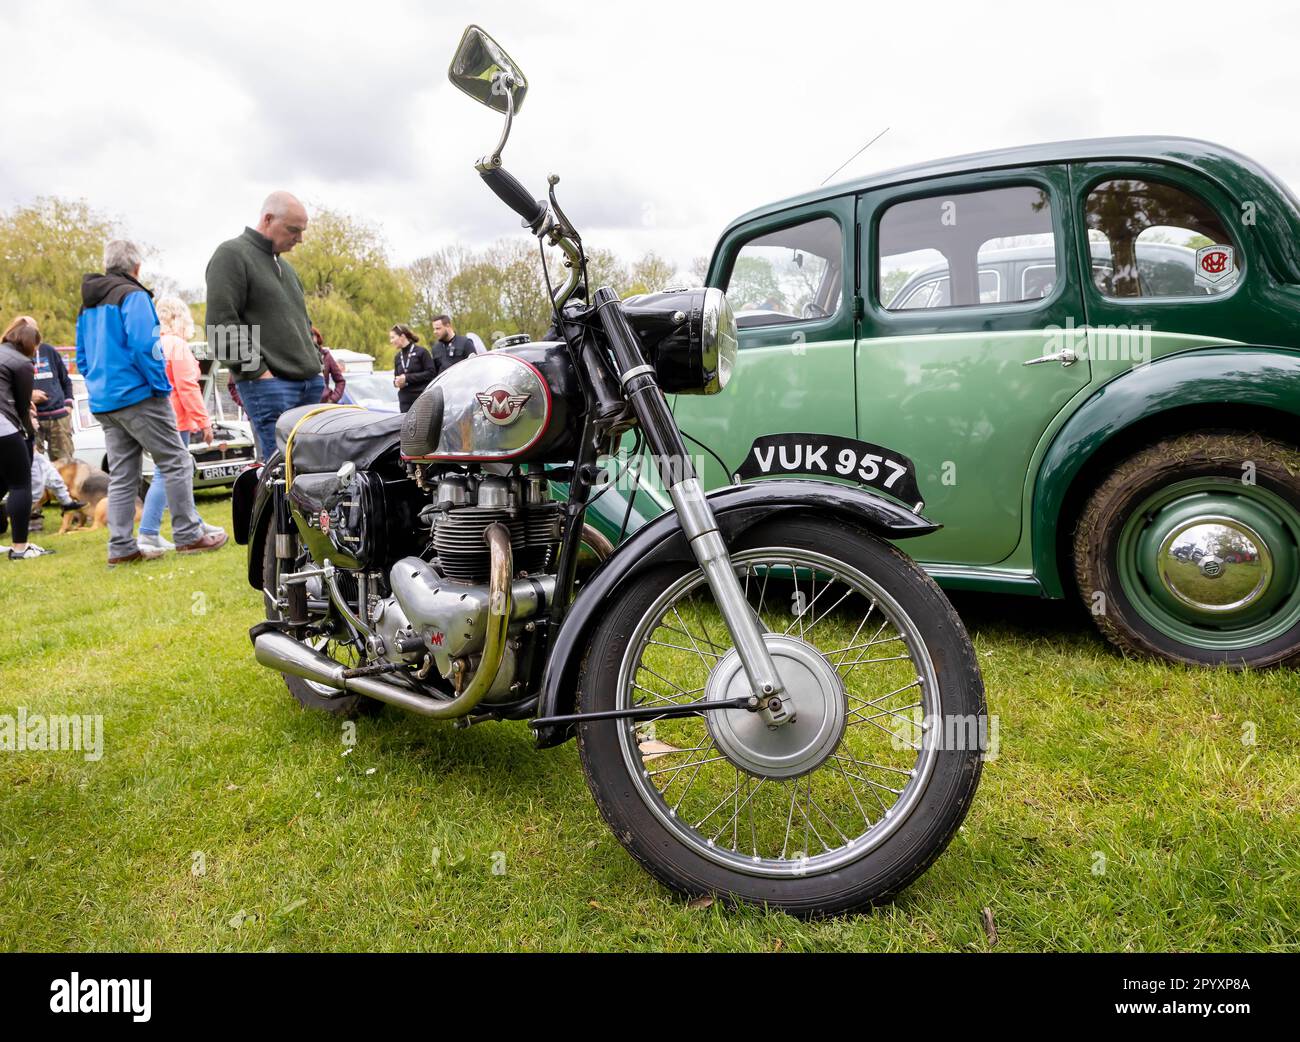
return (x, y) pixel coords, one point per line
(510, 405)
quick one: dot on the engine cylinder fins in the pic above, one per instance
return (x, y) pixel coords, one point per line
(463, 555)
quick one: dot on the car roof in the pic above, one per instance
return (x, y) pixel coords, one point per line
(1241, 176)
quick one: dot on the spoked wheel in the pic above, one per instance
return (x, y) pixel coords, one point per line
(309, 693)
(844, 806)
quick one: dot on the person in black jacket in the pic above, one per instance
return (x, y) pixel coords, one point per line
(413, 367)
(450, 348)
(18, 428)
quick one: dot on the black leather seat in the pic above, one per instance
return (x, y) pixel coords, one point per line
(330, 438)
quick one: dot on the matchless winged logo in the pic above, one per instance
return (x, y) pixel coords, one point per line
(500, 406)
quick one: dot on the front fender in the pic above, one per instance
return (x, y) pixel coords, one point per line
(737, 508)
(1262, 377)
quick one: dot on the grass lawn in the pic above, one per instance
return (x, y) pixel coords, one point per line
(1132, 806)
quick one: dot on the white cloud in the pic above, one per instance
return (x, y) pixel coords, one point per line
(664, 121)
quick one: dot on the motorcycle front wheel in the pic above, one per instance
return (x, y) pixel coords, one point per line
(836, 811)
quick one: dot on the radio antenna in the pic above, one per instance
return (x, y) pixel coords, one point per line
(854, 156)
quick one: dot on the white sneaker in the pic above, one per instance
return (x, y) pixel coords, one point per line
(212, 529)
(153, 542)
(32, 551)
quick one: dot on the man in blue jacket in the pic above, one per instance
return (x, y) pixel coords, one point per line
(126, 377)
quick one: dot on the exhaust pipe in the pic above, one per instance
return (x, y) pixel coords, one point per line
(280, 652)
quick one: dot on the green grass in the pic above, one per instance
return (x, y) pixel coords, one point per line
(304, 848)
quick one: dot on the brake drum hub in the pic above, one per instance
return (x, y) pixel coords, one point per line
(815, 694)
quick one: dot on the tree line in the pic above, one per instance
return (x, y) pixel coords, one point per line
(355, 293)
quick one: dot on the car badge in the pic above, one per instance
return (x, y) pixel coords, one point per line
(324, 521)
(1214, 265)
(500, 406)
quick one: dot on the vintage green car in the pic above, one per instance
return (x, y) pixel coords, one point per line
(1086, 354)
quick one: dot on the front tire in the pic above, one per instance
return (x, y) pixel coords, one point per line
(1190, 551)
(877, 662)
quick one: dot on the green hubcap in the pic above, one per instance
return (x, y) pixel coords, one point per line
(1213, 563)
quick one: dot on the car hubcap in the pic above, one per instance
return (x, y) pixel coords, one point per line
(1213, 563)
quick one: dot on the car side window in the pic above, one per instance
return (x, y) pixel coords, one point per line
(961, 239)
(1155, 240)
(790, 275)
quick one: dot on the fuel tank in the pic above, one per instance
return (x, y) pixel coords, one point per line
(518, 404)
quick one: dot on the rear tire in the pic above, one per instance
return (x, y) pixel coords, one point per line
(1190, 551)
(935, 784)
(307, 694)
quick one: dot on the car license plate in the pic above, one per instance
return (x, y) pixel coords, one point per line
(830, 456)
(213, 472)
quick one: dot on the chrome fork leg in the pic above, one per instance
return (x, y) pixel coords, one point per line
(710, 551)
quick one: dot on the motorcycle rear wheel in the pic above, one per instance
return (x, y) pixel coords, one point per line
(308, 694)
(841, 809)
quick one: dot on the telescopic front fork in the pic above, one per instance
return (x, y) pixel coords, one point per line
(668, 451)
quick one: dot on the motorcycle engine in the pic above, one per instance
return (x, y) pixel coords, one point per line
(443, 598)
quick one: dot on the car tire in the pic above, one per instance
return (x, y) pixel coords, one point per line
(1211, 496)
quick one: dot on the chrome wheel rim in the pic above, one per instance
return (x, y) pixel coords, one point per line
(870, 741)
(1213, 563)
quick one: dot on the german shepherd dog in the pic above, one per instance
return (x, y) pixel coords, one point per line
(89, 484)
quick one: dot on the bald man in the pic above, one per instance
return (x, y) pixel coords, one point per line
(257, 318)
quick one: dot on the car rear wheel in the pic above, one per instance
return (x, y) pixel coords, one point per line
(1190, 551)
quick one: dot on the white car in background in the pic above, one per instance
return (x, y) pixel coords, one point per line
(215, 465)
(374, 391)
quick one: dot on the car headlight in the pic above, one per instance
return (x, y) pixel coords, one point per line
(689, 335)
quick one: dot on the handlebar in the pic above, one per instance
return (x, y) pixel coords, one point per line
(515, 196)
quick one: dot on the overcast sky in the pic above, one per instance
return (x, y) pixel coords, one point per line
(664, 120)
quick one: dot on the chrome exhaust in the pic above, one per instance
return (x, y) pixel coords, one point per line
(282, 653)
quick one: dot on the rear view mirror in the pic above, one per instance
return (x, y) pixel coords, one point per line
(482, 69)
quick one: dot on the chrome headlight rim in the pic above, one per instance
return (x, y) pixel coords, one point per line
(718, 339)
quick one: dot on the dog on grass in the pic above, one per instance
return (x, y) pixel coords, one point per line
(89, 484)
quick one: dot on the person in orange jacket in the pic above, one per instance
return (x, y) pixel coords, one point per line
(175, 327)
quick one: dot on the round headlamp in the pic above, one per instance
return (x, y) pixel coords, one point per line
(690, 337)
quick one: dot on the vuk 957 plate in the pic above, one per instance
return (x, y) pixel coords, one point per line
(829, 456)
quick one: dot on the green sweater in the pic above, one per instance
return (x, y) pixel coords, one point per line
(257, 315)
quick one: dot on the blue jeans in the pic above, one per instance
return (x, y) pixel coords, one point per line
(155, 500)
(265, 400)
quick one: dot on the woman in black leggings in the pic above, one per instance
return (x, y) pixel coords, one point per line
(18, 346)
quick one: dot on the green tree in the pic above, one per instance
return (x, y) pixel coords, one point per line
(650, 274)
(354, 295)
(45, 249)
(754, 283)
(430, 278)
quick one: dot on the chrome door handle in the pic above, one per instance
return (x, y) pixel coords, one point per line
(1065, 357)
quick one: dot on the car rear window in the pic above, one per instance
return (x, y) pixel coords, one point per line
(1150, 239)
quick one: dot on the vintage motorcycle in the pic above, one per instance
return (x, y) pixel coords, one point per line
(762, 687)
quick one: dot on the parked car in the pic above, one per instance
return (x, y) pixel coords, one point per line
(215, 465)
(1087, 353)
(374, 390)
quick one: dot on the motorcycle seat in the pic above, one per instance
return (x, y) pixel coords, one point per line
(327, 440)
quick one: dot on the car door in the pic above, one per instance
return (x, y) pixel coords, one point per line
(790, 279)
(959, 385)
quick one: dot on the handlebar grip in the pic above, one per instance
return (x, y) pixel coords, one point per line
(515, 196)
